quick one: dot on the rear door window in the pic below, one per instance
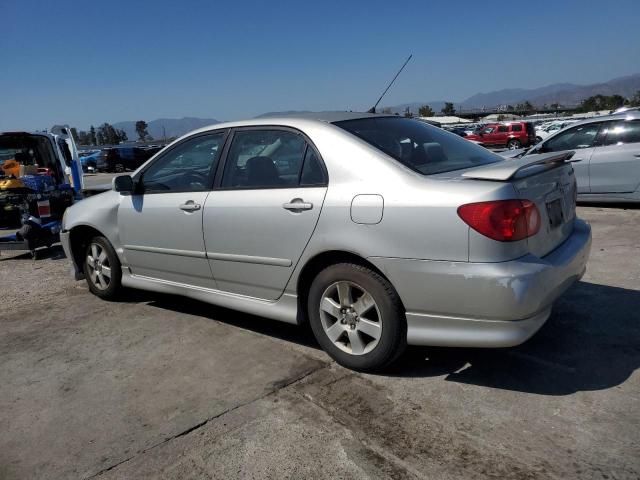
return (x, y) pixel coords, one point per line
(312, 171)
(516, 128)
(622, 132)
(269, 158)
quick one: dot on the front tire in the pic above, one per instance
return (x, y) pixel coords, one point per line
(102, 269)
(357, 317)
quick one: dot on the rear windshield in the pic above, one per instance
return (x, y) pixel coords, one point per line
(420, 146)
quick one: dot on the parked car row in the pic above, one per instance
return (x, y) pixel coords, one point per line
(549, 128)
(512, 135)
(117, 159)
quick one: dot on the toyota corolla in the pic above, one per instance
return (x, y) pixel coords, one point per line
(379, 231)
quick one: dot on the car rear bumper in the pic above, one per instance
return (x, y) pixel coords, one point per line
(468, 304)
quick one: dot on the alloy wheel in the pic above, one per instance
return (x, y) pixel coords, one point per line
(99, 266)
(350, 318)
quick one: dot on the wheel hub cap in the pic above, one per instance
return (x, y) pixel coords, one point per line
(98, 266)
(350, 318)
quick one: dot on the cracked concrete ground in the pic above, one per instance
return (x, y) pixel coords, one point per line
(163, 387)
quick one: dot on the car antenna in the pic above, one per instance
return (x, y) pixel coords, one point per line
(373, 109)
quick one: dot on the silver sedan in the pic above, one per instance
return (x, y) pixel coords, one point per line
(379, 231)
(607, 156)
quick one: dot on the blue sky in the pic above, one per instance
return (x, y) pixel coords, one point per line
(87, 62)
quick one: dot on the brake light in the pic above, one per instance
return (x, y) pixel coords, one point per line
(502, 220)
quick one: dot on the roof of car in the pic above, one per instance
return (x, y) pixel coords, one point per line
(290, 119)
(328, 117)
(630, 115)
(18, 133)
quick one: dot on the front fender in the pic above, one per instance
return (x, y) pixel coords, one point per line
(99, 212)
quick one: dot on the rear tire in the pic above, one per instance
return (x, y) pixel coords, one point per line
(357, 317)
(513, 144)
(102, 269)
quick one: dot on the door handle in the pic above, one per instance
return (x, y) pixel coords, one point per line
(297, 204)
(190, 206)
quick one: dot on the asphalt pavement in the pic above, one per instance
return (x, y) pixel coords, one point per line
(156, 386)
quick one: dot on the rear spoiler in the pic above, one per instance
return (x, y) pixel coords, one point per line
(506, 170)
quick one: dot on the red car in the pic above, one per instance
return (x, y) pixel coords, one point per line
(512, 135)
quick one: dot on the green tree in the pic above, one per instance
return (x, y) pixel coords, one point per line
(142, 130)
(92, 136)
(84, 138)
(524, 107)
(555, 106)
(635, 100)
(425, 111)
(448, 109)
(407, 113)
(601, 102)
(386, 110)
(110, 135)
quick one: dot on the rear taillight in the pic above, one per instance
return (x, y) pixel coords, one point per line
(502, 220)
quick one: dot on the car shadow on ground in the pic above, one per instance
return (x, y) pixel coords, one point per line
(300, 334)
(589, 343)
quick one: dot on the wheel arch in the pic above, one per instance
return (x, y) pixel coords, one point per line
(79, 237)
(319, 262)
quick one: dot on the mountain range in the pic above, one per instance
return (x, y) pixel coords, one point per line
(562, 93)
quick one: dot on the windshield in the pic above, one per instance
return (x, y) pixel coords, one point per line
(421, 147)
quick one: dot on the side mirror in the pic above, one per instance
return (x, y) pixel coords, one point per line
(123, 184)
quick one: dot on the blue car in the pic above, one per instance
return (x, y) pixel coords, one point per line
(90, 162)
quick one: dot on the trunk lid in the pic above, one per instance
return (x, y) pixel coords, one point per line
(549, 182)
(553, 191)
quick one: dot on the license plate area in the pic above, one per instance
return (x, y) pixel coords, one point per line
(555, 213)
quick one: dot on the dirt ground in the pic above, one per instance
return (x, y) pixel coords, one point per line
(162, 387)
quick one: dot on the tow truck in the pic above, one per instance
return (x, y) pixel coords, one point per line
(40, 176)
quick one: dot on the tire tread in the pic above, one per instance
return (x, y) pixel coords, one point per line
(398, 342)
